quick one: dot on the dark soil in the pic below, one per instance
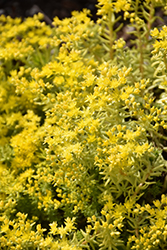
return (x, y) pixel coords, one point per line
(51, 8)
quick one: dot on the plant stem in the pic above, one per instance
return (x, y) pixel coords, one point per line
(111, 34)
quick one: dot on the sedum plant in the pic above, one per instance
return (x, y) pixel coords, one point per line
(83, 130)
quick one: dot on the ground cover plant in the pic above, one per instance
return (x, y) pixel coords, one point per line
(83, 119)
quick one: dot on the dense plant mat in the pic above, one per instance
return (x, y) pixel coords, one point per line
(83, 121)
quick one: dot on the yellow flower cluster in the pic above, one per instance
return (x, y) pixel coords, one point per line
(150, 237)
(20, 234)
(83, 132)
(113, 6)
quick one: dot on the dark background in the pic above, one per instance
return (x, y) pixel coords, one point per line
(51, 8)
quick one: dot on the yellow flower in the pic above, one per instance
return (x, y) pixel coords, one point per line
(69, 224)
(121, 5)
(54, 228)
(154, 32)
(141, 149)
(62, 231)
